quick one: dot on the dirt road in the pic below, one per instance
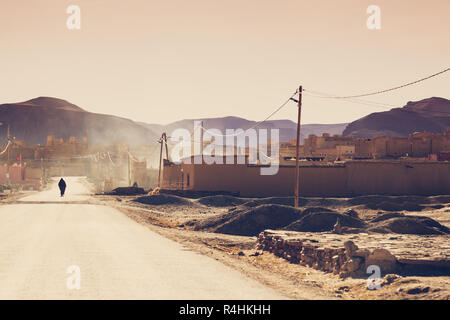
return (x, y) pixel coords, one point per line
(61, 248)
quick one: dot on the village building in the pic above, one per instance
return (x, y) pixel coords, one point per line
(330, 166)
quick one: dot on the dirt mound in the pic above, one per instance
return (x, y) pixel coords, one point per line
(212, 223)
(315, 209)
(387, 216)
(324, 221)
(286, 201)
(367, 199)
(221, 201)
(395, 206)
(326, 202)
(410, 225)
(441, 199)
(351, 213)
(127, 191)
(162, 199)
(289, 201)
(378, 199)
(252, 221)
(194, 194)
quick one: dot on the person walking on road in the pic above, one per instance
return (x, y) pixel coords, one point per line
(62, 186)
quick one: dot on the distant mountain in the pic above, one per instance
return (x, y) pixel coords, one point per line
(432, 115)
(288, 128)
(33, 120)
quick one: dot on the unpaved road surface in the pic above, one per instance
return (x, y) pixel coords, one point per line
(50, 246)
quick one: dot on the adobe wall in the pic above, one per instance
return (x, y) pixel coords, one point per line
(171, 177)
(216, 177)
(68, 170)
(352, 179)
(33, 173)
(314, 182)
(16, 174)
(398, 178)
(248, 181)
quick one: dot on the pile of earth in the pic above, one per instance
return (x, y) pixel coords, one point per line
(289, 201)
(221, 201)
(395, 206)
(405, 224)
(443, 199)
(322, 220)
(400, 203)
(318, 219)
(163, 199)
(286, 201)
(127, 191)
(374, 202)
(252, 221)
(393, 199)
(326, 202)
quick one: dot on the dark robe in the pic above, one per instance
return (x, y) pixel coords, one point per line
(62, 186)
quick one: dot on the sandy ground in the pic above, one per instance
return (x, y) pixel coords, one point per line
(43, 235)
(292, 280)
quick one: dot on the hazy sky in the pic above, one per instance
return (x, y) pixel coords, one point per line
(163, 60)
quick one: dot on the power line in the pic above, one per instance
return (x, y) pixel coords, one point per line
(251, 127)
(318, 94)
(6, 148)
(353, 100)
(257, 123)
(385, 90)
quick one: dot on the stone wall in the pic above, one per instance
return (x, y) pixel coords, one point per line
(351, 255)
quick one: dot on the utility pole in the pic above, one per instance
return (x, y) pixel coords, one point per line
(297, 148)
(161, 141)
(7, 163)
(201, 141)
(164, 136)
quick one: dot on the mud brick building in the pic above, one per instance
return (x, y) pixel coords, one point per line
(352, 178)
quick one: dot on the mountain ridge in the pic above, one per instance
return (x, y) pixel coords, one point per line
(34, 119)
(430, 114)
(288, 128)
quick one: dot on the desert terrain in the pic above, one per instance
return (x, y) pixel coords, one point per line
(412, 229)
